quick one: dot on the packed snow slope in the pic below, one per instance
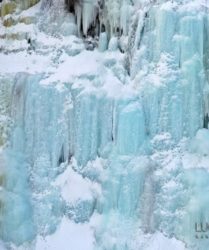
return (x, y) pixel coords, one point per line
(104, 112)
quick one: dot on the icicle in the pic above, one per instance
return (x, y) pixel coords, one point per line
(103, 42)
(89, 13)
(113, 44)
(113, 14)
(125, 15)
(78, 13)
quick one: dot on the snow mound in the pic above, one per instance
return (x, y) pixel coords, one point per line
(74, 186)
(160, 242)
(68, 236)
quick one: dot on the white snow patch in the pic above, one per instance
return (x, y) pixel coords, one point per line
(74, 187)
(168, 6)
(159, 242)
(23, 62)
(32, 11)
(69, 236)
(84, 63)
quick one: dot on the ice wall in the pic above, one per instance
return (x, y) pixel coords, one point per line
(145, 185)
(168, 61)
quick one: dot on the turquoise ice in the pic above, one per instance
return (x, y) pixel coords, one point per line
(143, 111)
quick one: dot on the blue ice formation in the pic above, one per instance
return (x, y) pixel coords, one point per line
(145, 186)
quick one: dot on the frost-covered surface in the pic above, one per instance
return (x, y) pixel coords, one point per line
(101, 128)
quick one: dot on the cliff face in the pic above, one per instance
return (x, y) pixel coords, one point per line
(103, 124)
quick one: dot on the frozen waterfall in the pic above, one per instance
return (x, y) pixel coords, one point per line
(125, 119)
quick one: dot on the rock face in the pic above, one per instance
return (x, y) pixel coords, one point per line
(7, 8)
(114, 132)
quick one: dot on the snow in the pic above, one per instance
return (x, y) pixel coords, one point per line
(68, 236)
(81, 237)
(197, 154)
(79, 65)
(74, 187)
(19, 28)
(32, 11)
(23, 62)
(193, 161)
(159, 242)
(200, 143)
(169, 5)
